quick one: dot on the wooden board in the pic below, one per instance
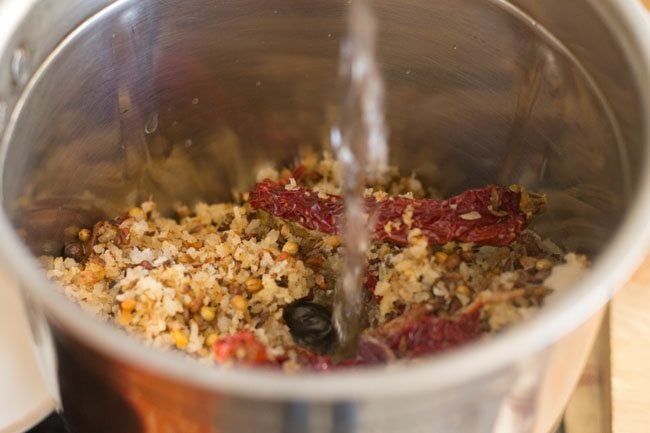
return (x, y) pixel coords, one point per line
(613, 394)
(630, 355)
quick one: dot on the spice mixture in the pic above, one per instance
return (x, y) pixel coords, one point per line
(252, 282)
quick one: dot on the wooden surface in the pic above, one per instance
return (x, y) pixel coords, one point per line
(630, 355)
(613, 394)
(589, 410)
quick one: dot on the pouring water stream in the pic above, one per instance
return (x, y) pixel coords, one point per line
(360, 145)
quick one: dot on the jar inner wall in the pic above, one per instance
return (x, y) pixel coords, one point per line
(183, 101)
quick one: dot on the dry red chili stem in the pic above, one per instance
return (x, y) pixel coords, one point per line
(492, 215)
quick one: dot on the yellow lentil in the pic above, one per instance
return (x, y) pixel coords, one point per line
(211, 339)
(332, 241)
(239, 303)
(253, 285)
(84, 235)
(180, 339)
(463, 290)
(208, 313)
(136, 213)
(543, 265)
(291, 247)
(452, 261)
(125, 318)
(441, 256)
(128, 305)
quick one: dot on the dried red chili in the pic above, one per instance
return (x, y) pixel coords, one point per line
(491, 216)
(417, 333)
(313, 362)
(242, 347)
(371, 284)
(370, 351)
(300, 173)
(123, 236)
(414, 334)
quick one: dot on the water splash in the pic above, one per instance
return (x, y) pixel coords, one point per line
(360, 145)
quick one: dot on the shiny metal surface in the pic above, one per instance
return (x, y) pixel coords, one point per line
(182, 100)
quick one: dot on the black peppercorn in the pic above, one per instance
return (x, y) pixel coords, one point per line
(310, 325)
(74, 250)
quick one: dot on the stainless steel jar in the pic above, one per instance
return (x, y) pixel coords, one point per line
(104, 103)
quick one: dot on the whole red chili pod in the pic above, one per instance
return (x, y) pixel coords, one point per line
(492, 215)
